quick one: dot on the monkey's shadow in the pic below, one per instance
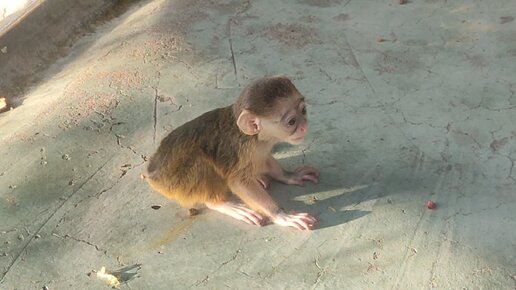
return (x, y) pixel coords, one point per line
(331, 200)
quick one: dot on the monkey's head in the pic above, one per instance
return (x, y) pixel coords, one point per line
(273, 109)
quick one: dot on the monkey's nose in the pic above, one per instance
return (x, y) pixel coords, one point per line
(304, 128)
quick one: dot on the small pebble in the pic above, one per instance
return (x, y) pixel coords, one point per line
(193, 211)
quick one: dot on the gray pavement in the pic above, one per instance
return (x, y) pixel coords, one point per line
(406, 103)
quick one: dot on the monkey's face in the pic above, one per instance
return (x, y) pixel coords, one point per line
(289, 123)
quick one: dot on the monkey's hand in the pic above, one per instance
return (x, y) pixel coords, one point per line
(300, 221)
(302, 174)
(239, 212)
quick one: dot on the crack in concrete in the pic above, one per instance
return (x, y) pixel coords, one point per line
(326, 74)
(235, 255)
(231, 49)
(469, 136)
(511, 167)
(155, 116)
(233, 258)
(113, 49)
(407, 121)
(96, 195)
(308, 148)
(486, 107)
(67, 236)
(64, 201)
(358, 64)
(407, 255)
(320, 274)
(468, 213)
(445, 231)
(231, 21)
(120, 137)
(187, 66)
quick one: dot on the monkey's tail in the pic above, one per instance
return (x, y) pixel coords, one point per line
(146, 175)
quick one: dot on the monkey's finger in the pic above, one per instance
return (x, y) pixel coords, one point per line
(311, 178)
(301, 222)
(239, 212)
(249, 221)
(295, 180)
(299, 226)
(304, 214)
(308, 170)
(302, 225)
(307, 218)
(310, 220)
(246, 214)
(295, 224)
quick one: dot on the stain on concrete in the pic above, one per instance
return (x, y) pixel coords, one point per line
(506, 19)
(292, 35)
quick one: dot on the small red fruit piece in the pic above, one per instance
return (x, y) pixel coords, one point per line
(431, 205)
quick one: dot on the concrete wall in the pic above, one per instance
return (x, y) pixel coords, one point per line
(36, 33)
(12, 11)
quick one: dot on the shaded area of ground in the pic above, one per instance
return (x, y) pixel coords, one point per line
(406, 103)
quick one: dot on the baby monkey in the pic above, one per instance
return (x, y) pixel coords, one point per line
(229, 150)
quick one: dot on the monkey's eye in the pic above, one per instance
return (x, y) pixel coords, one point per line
(303, 110)
(292, 122)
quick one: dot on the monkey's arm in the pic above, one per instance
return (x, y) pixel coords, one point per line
(254, 195)
(298, 177)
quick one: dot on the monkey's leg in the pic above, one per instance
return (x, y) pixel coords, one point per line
(298, 177)
(238, 211)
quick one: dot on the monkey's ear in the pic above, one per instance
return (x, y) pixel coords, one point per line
(248, 123)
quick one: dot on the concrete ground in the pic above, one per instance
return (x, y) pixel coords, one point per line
(407, 103)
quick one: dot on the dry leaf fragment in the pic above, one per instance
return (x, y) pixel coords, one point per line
(312, 199)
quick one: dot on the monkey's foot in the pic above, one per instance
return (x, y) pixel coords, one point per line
(302, 174)
(239, 212)
(300, 221)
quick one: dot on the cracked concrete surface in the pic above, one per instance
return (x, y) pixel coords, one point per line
(406, 103)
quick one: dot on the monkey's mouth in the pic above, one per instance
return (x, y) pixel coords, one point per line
(298, 139)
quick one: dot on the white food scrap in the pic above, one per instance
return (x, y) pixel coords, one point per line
(108, 278)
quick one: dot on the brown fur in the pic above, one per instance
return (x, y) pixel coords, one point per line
(195, 161)
(262, 95)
